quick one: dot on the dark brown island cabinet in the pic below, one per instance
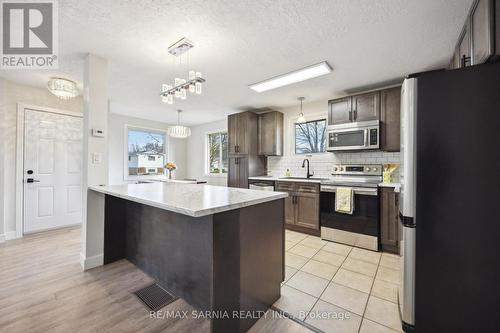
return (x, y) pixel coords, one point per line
(244, 160)
(479, 41)
(383, 105)
(389, 223)
(301, 206)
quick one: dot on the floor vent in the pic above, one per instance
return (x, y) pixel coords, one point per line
(155, 297)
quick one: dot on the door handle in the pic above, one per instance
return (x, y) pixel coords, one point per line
(350, 115)
(31, 180)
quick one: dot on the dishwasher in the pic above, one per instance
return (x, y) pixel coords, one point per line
(261, 185)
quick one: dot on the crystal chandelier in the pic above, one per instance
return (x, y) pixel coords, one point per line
(63, 88)
(179, 131)
(181, 86)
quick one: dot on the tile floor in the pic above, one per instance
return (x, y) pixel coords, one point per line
(339, 288)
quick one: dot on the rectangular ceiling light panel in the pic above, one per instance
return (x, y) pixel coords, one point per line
(293, 77)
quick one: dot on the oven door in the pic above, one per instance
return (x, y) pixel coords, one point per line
(361, 228)
(347, 139)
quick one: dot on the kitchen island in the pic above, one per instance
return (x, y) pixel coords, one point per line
(220, 249)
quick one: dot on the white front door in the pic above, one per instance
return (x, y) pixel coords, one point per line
(52, 170)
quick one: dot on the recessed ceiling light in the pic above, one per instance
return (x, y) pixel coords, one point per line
(293, 77)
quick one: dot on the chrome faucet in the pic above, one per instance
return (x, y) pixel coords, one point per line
(308, 175)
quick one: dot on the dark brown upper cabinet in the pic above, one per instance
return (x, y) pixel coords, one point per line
(271, 133)
(390, 106)
(238, 133)
(482, 31)
(383, 105)
(366, 106)
(464, 54)
(479, 40)
(354, 108)
(340, 111)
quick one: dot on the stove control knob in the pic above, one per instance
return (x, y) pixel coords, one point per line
(335, 169)
(368, 169)
(341, 169)
(374, 169)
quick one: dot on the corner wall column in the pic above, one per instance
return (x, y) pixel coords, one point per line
(95, 156)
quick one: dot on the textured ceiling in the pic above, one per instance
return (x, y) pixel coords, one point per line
(239, 42)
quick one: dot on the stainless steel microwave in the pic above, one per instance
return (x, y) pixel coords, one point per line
(354, 136)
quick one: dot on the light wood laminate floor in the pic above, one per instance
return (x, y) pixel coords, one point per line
(43, 289)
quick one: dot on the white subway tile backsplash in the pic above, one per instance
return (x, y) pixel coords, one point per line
(321, 164)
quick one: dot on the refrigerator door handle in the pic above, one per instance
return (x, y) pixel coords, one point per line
(406, 221)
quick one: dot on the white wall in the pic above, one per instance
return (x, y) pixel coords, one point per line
(176, 148)
(321, 163)
(196, 148)
(10, 95)
(2, 143)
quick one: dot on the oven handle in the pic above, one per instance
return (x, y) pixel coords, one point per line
(357, 190)
(366, 138)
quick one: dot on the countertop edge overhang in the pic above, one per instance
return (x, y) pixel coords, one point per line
(237, 197)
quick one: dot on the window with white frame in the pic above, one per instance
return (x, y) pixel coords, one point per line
(147, 152)
(310, 137)
(217, 153)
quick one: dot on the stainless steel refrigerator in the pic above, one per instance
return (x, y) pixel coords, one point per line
(450, 200)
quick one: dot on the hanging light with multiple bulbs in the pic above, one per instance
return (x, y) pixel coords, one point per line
(181, 86)
(179, 131)
(301, 118)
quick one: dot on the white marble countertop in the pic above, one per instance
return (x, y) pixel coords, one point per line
(189, 199)
(284, 179)
(161, 179)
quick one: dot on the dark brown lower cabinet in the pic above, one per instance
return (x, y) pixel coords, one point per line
(238, 172)
(301, 206)
(389, 222)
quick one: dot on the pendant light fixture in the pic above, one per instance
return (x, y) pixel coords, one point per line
(179, 131)
(301, 118)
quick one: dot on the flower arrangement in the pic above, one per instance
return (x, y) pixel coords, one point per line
(170, 166)
(388, 170)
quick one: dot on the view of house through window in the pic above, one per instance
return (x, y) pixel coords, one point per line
(217, 153)
(146, 152)
(310, 137)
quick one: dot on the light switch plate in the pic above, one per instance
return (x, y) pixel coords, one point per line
(98, 132)
(96, 158)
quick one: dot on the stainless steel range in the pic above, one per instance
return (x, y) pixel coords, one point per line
(362, 227)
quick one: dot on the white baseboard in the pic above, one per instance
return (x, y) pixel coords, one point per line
(91, 262)
(10, 235)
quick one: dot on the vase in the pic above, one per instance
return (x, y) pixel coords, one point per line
(169, 174)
